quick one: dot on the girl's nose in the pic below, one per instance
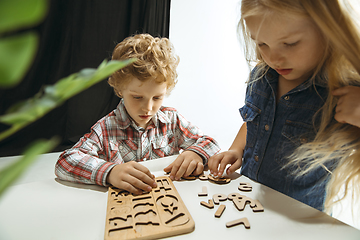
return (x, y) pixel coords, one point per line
(275, 58)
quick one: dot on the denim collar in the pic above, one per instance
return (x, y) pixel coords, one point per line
(272, 77)
(124, 120)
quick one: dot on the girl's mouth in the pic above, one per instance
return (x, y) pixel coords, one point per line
(284, 71)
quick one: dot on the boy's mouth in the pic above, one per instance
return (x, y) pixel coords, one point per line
(145, 116)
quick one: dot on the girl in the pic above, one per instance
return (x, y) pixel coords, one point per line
(301, 134)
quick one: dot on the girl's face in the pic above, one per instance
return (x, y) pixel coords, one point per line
(293, 46)
(143, 99)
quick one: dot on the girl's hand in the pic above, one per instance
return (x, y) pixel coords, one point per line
(185, 164)
(232, 157)
(348, 106)
(132, 177)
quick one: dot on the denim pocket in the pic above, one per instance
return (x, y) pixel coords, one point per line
(251, 115)
(294, 134)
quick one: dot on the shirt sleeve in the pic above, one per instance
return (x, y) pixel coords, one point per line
(87, 161)
(190, 137)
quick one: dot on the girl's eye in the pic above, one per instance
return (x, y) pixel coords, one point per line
(157, 98)
(291, 44)
(261, 44)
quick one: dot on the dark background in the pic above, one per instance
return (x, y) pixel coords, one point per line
(75, 35)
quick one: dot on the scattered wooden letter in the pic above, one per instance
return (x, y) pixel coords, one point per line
(204, 192)
(246, 187)
(244, 221)
(209, 204)
(220, 210)
(219, 197)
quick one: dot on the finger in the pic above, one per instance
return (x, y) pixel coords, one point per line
(168, 168)
(191, 167)
(199, 169)
(138, 183)
(143, 169)
(175, 166)
(234, 167)
(182, 169)
(341, 91)
(125, 185)
(143, 174)
(213, 162)
(225, 161)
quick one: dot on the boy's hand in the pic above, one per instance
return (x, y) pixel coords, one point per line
(229, 157)
(185, 164)
(132, 177)
(348, 106)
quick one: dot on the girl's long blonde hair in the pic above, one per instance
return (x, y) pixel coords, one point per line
(334, 142)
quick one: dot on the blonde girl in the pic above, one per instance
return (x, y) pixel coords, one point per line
(301, 134)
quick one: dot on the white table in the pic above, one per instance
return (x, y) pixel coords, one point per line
(39, 206)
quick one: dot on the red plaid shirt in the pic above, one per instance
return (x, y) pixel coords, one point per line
(116, 139)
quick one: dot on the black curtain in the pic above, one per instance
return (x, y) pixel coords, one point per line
(76, 35)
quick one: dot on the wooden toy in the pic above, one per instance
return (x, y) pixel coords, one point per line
(157, 214)
(219, 180)
(220, 210)
(240, 201)
(246, 187)
(244, 221)
(258, 207)
(219, 197)
(209, 204)
(204, 192)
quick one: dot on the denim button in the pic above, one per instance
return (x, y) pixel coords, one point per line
(286, 97)
(267, 127)
(256, 158)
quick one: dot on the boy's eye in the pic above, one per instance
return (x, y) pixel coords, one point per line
(261, 44)
(157, 98)
(137, 97)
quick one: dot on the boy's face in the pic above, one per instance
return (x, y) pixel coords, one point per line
(143, 99)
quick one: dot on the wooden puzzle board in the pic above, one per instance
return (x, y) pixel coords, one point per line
(157, 214)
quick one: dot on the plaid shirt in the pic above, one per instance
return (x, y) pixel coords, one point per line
(116, 139)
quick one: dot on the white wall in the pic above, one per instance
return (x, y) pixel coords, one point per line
(212, 69)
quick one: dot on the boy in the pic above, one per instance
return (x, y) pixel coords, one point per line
(140, 128)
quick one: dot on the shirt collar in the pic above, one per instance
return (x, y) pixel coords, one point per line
(124, 119)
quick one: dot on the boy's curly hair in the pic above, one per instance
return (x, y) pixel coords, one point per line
(156, 60)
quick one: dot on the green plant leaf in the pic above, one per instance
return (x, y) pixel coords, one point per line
(17, 14)
(26, 112)
(17, 54)
(9, 174)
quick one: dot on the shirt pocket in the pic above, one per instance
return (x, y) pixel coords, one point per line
(164, 146)
(251, 115)
(121, 151)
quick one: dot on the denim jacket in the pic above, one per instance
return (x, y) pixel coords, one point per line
(274, 130)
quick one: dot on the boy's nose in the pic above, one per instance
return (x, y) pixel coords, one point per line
(147, 106)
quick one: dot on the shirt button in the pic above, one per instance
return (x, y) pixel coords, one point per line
(303, 140)
(121, 147)
(256, 158)
(267, 127)
(286, 97)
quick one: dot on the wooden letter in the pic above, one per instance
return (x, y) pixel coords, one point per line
(244, 221)
(219, 197)
(220, 210)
